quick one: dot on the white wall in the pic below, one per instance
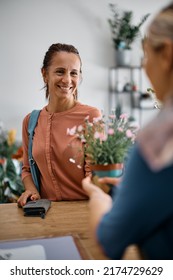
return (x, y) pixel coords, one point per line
(29, 27)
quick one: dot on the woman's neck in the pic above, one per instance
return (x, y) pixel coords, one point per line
(60, 105)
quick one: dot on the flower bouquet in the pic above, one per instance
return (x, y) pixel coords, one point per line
(105, 142)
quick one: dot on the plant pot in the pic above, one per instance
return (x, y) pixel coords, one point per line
(110, 170)
(123, 57)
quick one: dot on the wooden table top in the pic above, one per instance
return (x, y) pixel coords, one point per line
(62, 219)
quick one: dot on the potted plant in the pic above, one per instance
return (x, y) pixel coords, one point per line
(11, 185)
(105, 143)
(123, 33)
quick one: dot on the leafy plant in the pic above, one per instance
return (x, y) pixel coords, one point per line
(11, 185)
(123, 31)
(106, 141)
(8, 144)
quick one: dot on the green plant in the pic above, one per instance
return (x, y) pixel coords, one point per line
(123, 31)
(11, 185)
(105, 141)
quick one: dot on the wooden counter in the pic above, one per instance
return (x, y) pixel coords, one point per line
(62, 219)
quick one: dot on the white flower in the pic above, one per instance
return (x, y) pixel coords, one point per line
(95, 120)
(80, 128)
(71, 131)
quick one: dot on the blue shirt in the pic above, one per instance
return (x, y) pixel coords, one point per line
(142, 212)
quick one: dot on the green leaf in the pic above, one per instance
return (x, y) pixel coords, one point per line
(1, 172)
(16, 186)
(10, 169)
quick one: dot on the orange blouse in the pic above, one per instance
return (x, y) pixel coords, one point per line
(52, 149)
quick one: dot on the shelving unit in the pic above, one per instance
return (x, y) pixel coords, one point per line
(134, 96)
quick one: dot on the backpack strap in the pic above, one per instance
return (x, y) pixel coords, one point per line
(33, 121)
(33, 167)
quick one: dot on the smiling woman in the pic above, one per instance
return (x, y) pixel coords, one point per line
(66, 65)
(62, 78)
(59, 179)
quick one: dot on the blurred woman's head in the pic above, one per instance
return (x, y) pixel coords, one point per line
(158, 49)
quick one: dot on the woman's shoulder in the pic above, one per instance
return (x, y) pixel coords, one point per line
(90, 110)
(27, 117)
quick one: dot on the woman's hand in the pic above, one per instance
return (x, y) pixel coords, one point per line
(27, 195)
(99, 204)
(91, 189)
(107, 180)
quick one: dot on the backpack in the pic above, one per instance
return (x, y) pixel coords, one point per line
(33, 166)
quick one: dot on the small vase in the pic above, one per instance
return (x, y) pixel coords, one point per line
(109, 170)
(123, 57)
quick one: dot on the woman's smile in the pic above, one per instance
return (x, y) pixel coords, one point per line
(65, 88)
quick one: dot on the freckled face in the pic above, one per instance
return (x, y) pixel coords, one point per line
(63, 75)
